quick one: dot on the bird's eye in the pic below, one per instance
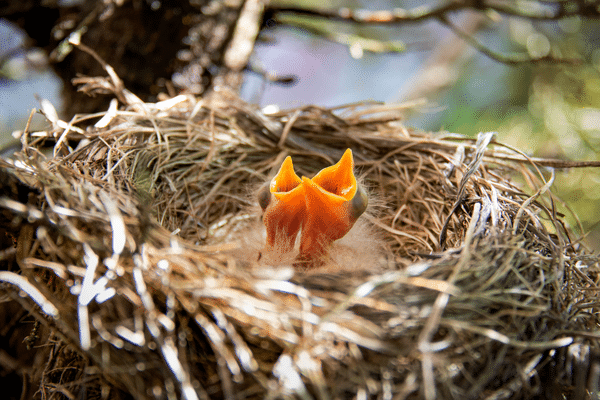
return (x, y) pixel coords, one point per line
(264, 196)
(359, 204)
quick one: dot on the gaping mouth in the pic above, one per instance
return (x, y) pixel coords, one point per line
(325, 208)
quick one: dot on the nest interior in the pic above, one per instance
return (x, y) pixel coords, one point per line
(129, 268)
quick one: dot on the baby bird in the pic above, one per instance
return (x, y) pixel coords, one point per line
(323, 208)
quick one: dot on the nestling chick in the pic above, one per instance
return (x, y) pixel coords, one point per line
(324, 208)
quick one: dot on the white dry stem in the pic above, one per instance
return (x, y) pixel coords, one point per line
(22, 283)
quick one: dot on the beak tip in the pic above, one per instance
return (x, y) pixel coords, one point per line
(347, 159)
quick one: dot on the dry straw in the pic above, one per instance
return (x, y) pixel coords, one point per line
(134, 248)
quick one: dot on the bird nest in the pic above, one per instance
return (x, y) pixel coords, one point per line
(135, 252)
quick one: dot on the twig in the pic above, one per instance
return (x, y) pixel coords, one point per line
(420, 13)
(504, 59)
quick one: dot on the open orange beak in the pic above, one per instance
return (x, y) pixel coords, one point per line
(284, 207)
(334, 201)
(326, 207)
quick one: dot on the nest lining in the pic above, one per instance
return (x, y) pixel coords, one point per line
(134, 238)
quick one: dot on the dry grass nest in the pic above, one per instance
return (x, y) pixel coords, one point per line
(129, 252)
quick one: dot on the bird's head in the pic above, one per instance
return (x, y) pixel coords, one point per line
(323, 208)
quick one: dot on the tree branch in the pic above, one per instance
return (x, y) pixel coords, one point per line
(537, 10)
(374, 17)
(505, 59)
(562, 9)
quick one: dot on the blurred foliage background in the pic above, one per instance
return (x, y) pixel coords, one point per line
(546, 109)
